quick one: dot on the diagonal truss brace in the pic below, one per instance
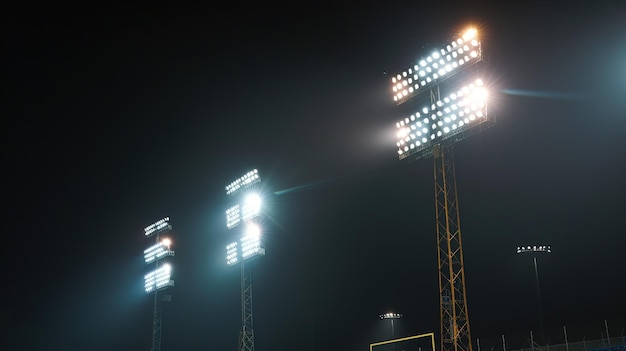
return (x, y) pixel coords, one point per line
(455, 330)
(246, 336)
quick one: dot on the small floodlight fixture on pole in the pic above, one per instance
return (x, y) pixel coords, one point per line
(391, 316)
(161, 277)
(430, 125)
(242, 220)
(535, 250)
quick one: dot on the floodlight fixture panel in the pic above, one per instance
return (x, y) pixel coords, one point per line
(158, 279)
(159, 226)
(248, 179)
(233, 216)
(232, 254)
(251, 241)
(390, 315)
(158, 251)
(443, 63)
(251, 206)
(249, 209)
(534, 248)
(431, 125)
(249, 245)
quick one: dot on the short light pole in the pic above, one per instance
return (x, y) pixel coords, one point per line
(536, 250)
(391, 316)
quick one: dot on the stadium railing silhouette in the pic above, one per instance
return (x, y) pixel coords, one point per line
(581, 338)
(589, 345)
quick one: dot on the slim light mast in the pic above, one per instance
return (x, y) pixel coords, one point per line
(537, 250)
(391, 316)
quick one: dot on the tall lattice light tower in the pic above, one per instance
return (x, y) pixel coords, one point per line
(160, 278)
(242, 219)
(443, 101)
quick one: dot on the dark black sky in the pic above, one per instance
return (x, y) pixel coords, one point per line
(114, 117)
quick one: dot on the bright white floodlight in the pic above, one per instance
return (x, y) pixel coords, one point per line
(390, 315)
(251, 241)
(232, 254)
(244, 181)
(442, 63)
(444, 119)
(534, 248)
(158, 251)
(233, 216)
(250, 208)
(249, 245)
(157, 227)
(159, 278)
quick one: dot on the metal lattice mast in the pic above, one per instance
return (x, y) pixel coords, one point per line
(455, 328)
(157, 322)
(246, 336)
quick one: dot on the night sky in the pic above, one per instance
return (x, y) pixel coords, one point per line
(115, 117)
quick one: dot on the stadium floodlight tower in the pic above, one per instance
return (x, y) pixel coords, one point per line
(536, 250)
(242, 219)
(160, 278)
(443, 101)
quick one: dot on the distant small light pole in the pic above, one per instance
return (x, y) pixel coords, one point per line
(542, 249)
(391, 316)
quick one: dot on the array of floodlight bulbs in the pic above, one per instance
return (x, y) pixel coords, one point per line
(250, 244)
(447, 116)
(233, 216)
(159, 278)
(251, 240)
(541, 248)
(439, 64)
(247, 179)
(250, 208)
(157, 251)
(390, 315)
(163, 223)
(232, 253)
